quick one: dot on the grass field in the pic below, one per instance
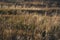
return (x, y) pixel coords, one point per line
(29, 27)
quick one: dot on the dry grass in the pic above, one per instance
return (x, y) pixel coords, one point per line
(30, 27)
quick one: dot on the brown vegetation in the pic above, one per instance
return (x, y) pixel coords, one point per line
(29, 27)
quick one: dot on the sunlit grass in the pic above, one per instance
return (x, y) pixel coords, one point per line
(31, 25)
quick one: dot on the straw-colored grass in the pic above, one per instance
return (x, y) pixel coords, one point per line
(30, 27)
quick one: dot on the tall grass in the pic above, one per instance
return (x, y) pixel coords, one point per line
(29, 27)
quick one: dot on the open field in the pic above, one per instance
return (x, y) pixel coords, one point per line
(30, 20)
